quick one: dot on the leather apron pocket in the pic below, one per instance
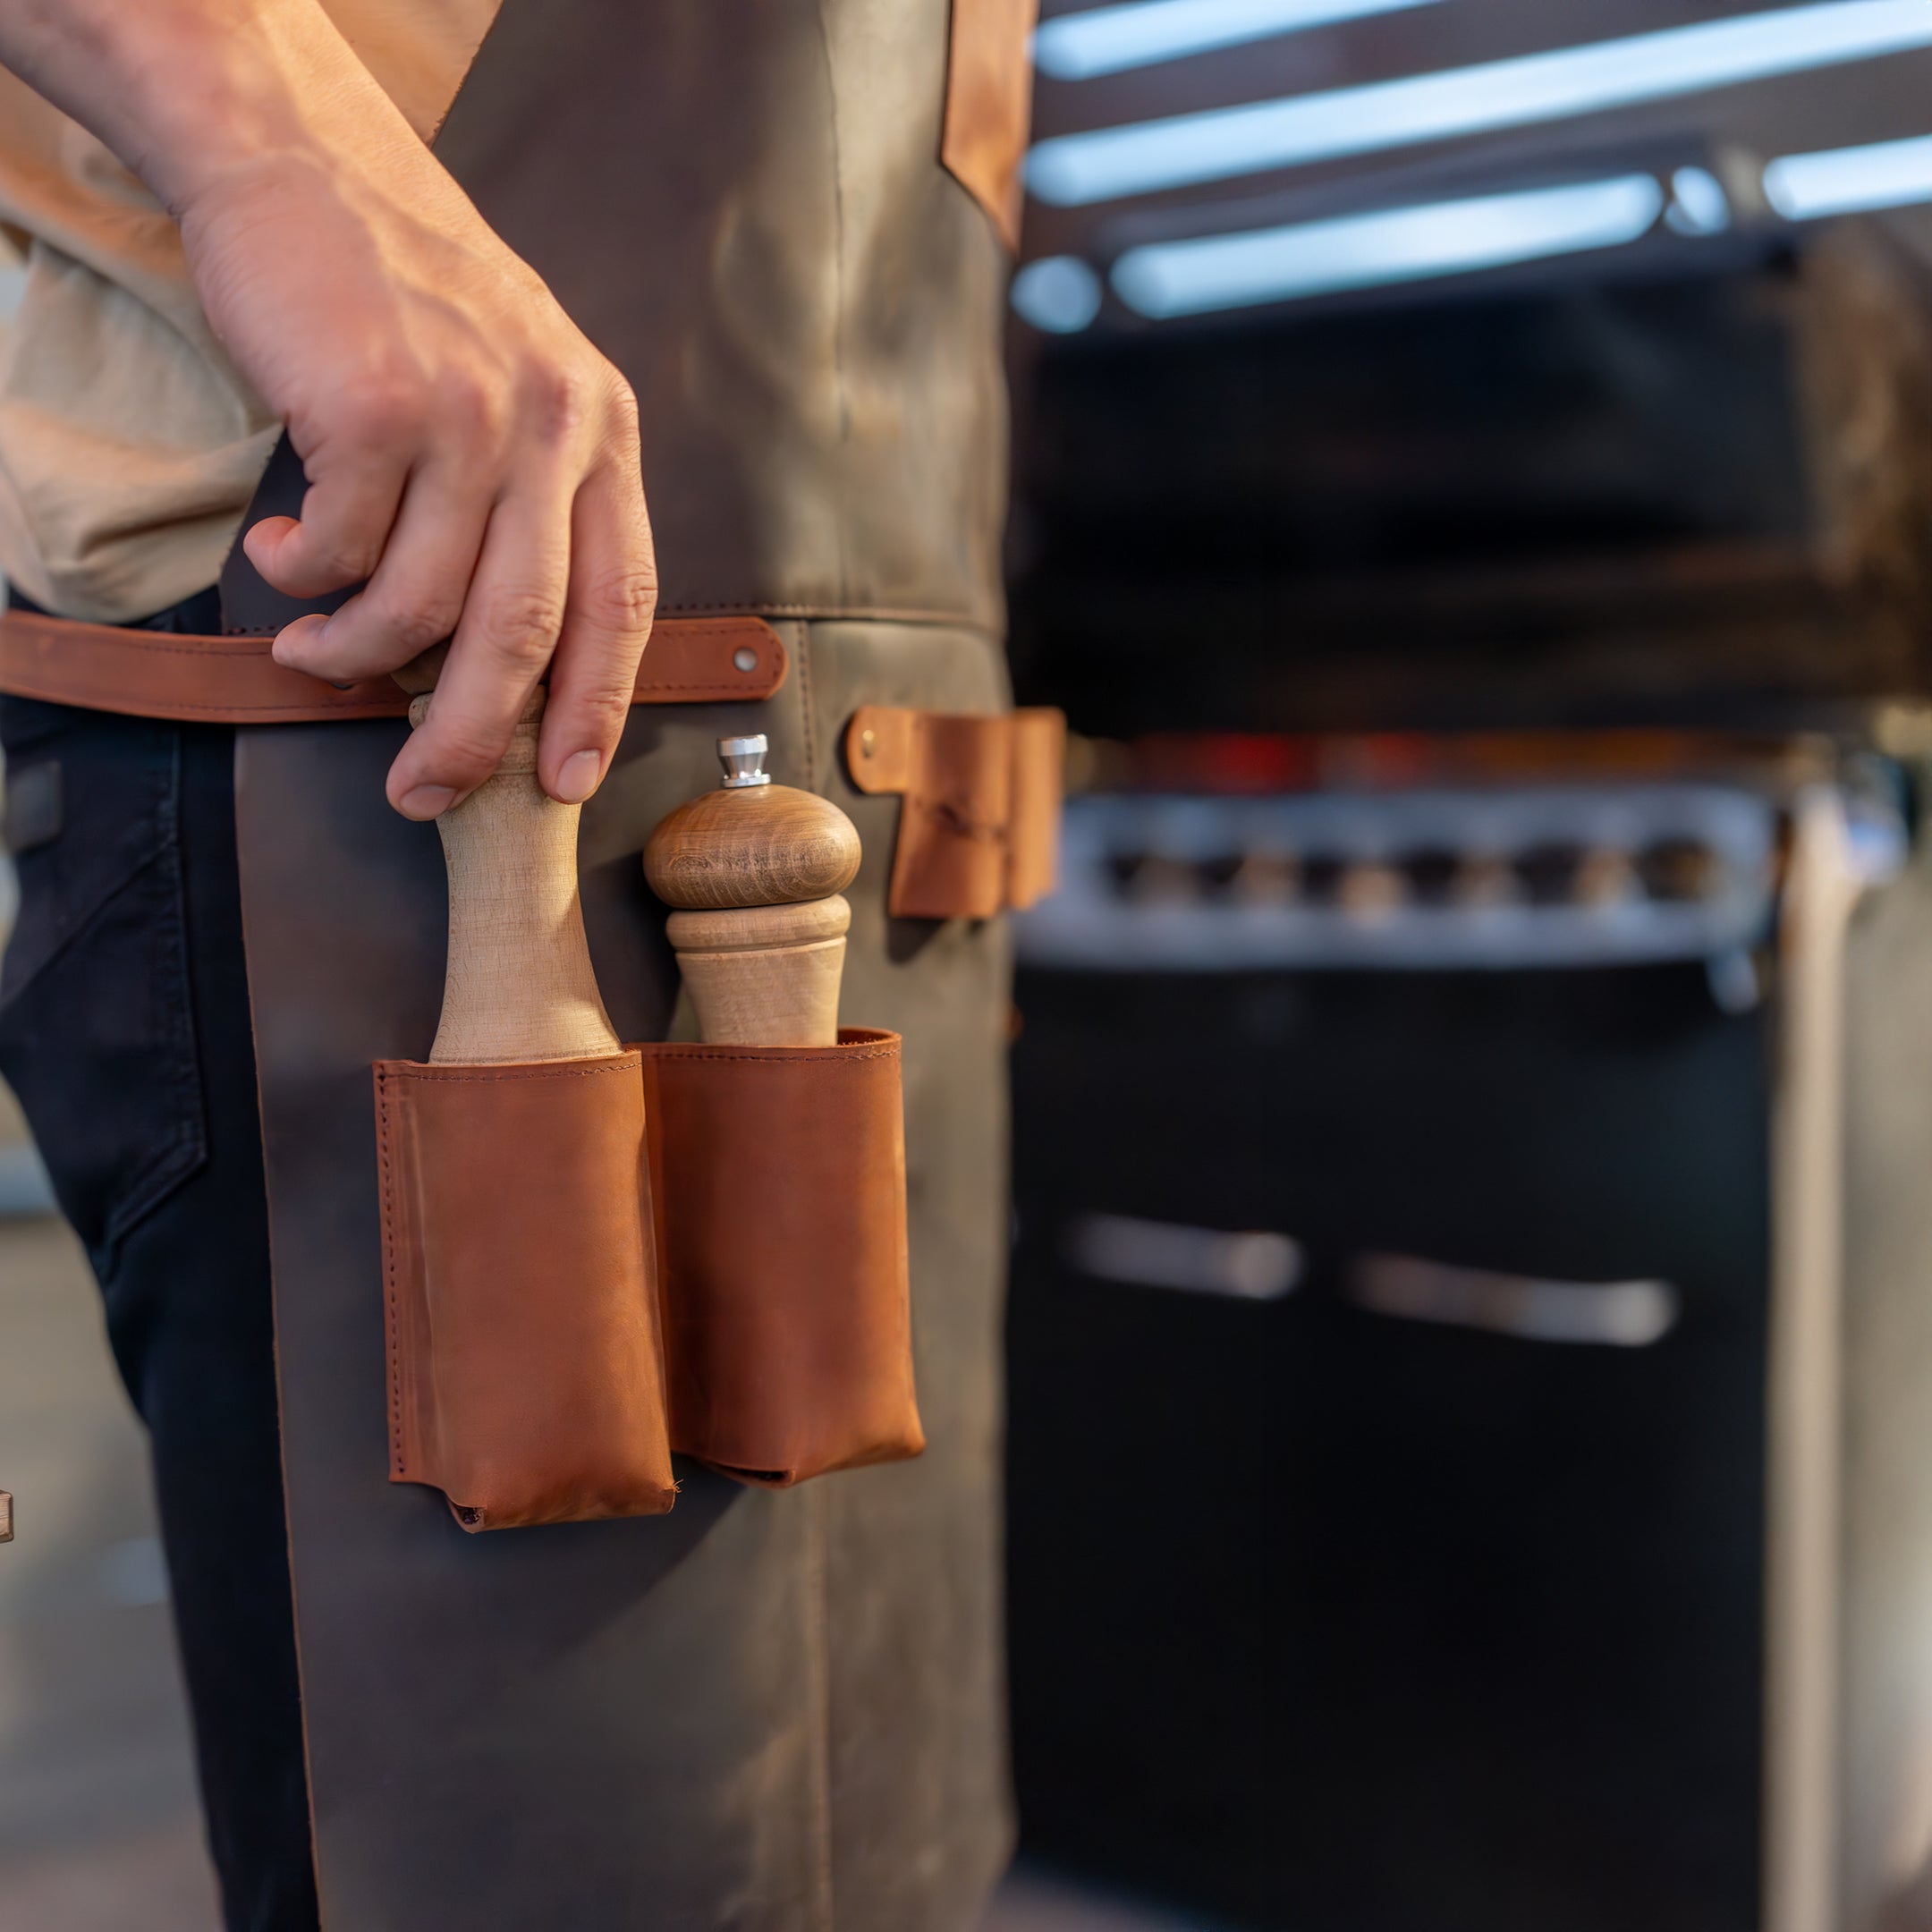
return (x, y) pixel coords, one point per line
(526, 1374)
(729, 1282)
(778, 1175)
(989, 105)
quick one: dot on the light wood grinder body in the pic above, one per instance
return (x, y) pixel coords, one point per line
(755, 872)
(518, 985)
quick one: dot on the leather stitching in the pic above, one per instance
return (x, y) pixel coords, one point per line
(249, 646)
(40, 677)
(398, 1461)
(356, 707)
(817, 1607)
(840, 614)
(562, 1070)
(805, 704)
(827, 1056)
(677, 1051)
(348, 702)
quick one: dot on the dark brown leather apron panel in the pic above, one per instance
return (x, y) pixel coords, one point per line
(776, 1712)
(743, 206)
(767, 1711)
(467, 1705)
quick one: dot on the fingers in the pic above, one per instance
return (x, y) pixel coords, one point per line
(518, 534)
(612, 594)
(510, 620)
(347, 513)
(415, 596)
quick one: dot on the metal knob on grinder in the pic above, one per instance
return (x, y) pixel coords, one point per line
(755, 871)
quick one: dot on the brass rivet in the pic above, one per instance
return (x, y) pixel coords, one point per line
(745, 657)
(868, 742)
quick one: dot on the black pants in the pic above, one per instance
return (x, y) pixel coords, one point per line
(124, 1032)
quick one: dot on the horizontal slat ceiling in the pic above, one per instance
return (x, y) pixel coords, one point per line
(1457, 33)
(1868, 101)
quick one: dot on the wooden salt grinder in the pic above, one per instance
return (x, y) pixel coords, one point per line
(755, 871)
(519, 986)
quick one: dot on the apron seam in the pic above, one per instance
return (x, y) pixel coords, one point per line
(814, 780)
(818, 1665)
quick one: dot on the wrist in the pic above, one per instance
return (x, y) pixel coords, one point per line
(235, 101)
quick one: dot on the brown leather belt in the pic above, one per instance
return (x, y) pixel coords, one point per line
(235, 681)
(979, 829)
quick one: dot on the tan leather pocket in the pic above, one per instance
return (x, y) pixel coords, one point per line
(779, 1178)
(526, 1372)
(979, 829)
(989, 105)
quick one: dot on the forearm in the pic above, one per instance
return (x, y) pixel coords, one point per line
(473, 462)
(200, 97)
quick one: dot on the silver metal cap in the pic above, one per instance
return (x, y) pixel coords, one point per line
(743, 759)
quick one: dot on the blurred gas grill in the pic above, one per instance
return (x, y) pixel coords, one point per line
(1471, 1376)
(1433, 1305)
(1403, 1292)
(1554, 877)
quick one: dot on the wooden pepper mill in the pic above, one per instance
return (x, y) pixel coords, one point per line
(519, 986)
(755, 871)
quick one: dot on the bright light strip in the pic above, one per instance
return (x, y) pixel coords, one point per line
(1110, 39)
(1411, 244)
(1850, 180)
(1146, 156)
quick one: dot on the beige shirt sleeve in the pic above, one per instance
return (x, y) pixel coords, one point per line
(129, 444)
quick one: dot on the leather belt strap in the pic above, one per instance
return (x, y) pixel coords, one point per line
(980, 830)
(235, 681)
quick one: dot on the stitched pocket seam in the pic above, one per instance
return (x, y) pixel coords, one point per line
(162, 849)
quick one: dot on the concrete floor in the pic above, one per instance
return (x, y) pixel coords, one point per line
(98, 1828)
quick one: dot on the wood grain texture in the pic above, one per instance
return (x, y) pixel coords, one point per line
(518, 985)
(754, 927)
(765, 976)
(767, 996)
(765, 845)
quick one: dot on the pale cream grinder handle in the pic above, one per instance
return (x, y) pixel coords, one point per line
(518, 985)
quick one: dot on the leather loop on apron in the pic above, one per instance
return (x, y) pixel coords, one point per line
(979, 829)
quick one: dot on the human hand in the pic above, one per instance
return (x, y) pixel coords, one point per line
(471, 460)
(469, 454)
